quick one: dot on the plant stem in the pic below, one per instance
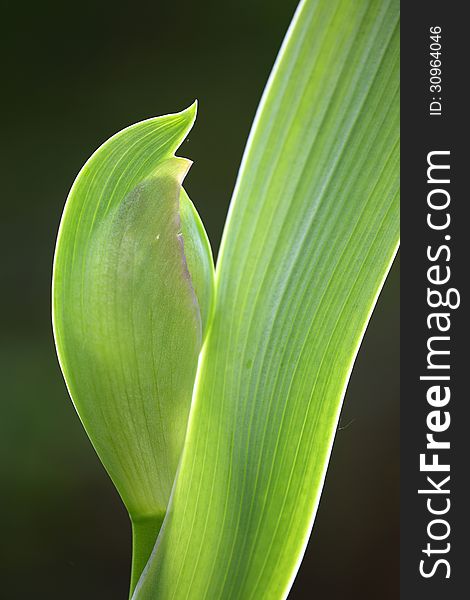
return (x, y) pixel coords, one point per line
(144, 534)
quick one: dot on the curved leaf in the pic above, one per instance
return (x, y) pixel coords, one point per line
(132, 286)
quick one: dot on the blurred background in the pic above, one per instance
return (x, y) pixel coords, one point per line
(74, 74)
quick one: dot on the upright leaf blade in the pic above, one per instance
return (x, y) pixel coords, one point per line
(312, 231)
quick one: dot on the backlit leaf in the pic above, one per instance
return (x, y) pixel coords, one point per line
(311, 234)
(133, 280)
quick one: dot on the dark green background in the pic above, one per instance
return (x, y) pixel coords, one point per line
(74, 74)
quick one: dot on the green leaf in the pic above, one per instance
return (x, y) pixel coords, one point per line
(312, 230)
(132, 291)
